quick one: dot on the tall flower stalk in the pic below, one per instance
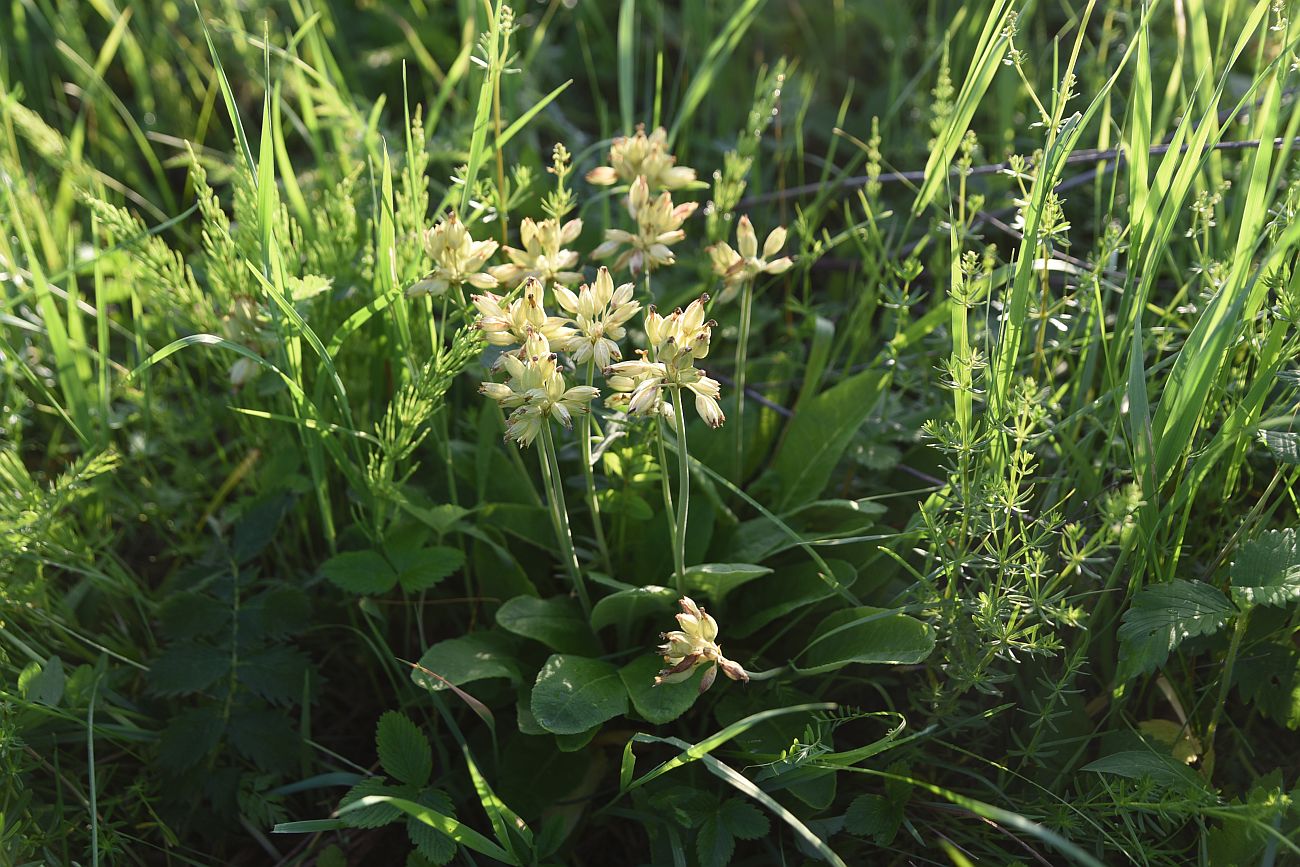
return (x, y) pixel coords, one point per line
(600, 313)
(738, 270)
(536, 393)
(677, 341)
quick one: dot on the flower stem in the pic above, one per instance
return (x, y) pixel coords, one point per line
(742, 353)
(560, 515)
(593, 504)
(683, 489)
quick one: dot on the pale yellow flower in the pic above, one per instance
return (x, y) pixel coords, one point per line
(506, 324)
(457, 259)
(695, 644)
(536, 391)
(643, 156)
(543, 255)
(736, 267)
(658, 226)
(600, 312)
(677, 340)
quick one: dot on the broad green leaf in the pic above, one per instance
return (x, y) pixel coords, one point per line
(743, 819)
(1284, 445)
(1161, 616)
(558, 623)
(477, 656)
(574, 742)
(628, 606)
(1268, 677)
(716, 580)
(428, 566)
(404, 751)
(873, 816)
(363, 572)
(1165, 771)
(774, 596)
(574, 693)
(184, 669)
(658, 704)
(714, 843)
(1267, 570)
(820, 432)
(46, 686)
(866, 635)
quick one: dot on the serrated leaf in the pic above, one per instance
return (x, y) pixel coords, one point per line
(404, 751)
(276, 673)
(743, 819)
(372, 815)
(1161, 617)
(1268, 677)
(189, 736)
(1266, 570)
(872, 816)
(265, 737)
(663, 703)
(477, 656)
(365, 573)
(628, 606)
(184, 669)
(1283, 445)
(186, 616)
(427, 567)
(278, 611)
(1165, 771)
(714, 844)
(866, 635)
(716, 580)
(558, 623)
(574, 693)
(433, 845)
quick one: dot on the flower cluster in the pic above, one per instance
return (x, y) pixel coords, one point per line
(642, 156)
(543, 256)
(676, 341)
(536, 390)
(509, 323)
(736, 267)
(600, 312)
(658, 225)
(457, 259)
(695, 644)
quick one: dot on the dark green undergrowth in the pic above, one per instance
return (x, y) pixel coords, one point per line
(999, 302)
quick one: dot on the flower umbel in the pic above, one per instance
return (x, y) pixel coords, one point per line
(536, 391)
(658, 225)
(643, 156)
(677, 340)
(457, 259)
(600, 312)
(695, 644)
(543, 256)
(736, 267)
(508, 323)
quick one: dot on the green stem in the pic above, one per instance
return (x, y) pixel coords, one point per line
(593, 504)
(1225, 682)
(560, 515)
(664, 484)
(683, 489)
(742, 353)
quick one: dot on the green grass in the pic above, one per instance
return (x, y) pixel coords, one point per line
(1004, 537)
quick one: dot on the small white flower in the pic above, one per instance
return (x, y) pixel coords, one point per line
(457, 259)
(643, 156)
(658, 226)
(543, 256)
(600, 311)
(736, 267)
(693, 645)
(536, 391)
(506, 324)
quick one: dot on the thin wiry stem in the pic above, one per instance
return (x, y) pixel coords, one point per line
(683, 490)
(742, 358)
(593, 504)
(560, 515)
